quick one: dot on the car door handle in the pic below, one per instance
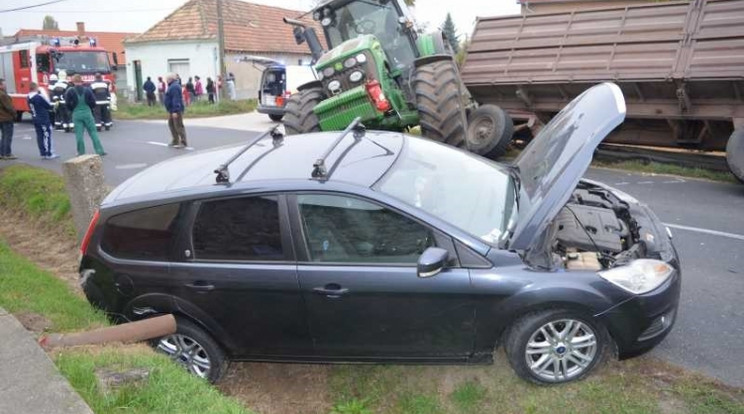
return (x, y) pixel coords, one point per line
(331, 290)
(200, 287)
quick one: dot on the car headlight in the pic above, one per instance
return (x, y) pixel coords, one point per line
(328, 72)
(350, 63)
(356, 76)
(640, 276)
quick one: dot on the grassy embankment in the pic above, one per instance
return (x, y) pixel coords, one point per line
(641, 385)
(199, 109)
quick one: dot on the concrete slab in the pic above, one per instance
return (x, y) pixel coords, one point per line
(31, 383)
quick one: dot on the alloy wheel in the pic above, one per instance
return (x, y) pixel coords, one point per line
(561, 350)
(187, 352)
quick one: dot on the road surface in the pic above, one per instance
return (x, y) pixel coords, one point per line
(706, 218)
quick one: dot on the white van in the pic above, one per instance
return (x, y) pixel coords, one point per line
(278, 82)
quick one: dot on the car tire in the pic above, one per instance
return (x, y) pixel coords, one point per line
(439, 102)
(553, 360)
(299, 117)
(276, 117)
(193, 348)
(490, 131)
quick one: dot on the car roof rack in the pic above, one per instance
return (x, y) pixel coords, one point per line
(319, 168)
(223, 174)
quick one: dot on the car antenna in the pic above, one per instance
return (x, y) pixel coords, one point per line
(223, 174)
(319, 168)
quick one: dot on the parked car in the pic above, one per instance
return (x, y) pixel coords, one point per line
(398, 249)
(278, 83)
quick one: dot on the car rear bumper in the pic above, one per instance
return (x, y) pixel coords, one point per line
(270, 110)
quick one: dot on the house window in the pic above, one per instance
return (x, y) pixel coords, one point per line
(179, 67)
(23, 54)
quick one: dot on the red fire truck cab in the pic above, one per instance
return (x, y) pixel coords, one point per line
(36, 61)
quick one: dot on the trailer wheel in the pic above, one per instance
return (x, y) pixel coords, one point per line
(490, 131)
(299, 117)
(439, 104)
(735, 154)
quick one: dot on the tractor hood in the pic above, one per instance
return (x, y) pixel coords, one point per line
(346, 49)
(551, 166)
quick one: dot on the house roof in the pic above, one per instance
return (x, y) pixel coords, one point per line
(111, 41)
(248, 27)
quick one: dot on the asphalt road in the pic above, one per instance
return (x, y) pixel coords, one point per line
(705, 218)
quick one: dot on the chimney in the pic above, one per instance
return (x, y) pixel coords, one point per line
(81, 29)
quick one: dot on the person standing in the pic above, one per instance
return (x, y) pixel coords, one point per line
(62, 115)
(231, 86)
(7, 116)
(210, 90)
(101, 112)
(161, 90)
(40, 109)
(149, 88)
(198, 88)
(174, 106)
(81, 102)
(191, 91)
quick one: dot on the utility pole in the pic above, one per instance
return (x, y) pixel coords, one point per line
(221, 45)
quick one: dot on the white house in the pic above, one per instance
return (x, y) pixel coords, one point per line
(185, 42)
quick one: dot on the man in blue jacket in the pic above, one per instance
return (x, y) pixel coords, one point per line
(174, 106)
(40, 109)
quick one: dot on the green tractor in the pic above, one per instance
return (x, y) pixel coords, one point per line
(380, 68)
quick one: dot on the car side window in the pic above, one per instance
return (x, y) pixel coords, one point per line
(349, 230)
(145, 234)
(238, 229)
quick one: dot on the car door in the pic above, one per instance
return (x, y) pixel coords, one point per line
(358, 277)
(237, 269)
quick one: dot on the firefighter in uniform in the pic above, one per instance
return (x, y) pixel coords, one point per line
(62, 118)
(103, 101)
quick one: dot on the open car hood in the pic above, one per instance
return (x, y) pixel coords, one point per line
(551, 166)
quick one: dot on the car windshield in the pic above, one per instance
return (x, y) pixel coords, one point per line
(369, 17)
(82, 62)
(467, 191)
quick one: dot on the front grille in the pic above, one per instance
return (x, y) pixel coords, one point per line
(659, 325)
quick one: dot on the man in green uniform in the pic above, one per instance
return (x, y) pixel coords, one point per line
(81, 102)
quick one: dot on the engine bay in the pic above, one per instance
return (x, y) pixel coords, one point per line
(595, 231)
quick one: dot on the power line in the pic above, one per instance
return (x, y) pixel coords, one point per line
(97, 11)
(31, 6)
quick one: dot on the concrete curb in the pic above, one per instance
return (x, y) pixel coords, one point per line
(31, 383)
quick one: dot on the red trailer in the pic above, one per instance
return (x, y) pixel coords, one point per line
(36, 61)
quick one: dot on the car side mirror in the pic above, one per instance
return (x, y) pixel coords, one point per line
(431, 262)
(299, 34)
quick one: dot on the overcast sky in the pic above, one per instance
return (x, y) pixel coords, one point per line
(139, 15)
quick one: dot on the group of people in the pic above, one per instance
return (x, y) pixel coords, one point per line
(58, 87)
(192, 91)
(75, 107)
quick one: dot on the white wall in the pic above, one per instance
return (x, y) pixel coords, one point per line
(154, 56)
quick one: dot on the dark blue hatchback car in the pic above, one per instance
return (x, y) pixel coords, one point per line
(372, 246)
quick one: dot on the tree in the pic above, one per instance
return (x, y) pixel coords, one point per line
(411, 2)
(451, 33)
(50, 23)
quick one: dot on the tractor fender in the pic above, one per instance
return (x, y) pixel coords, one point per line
(430, 59)
(433, 43)
(310, 85)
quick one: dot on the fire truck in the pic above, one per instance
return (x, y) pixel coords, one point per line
(36, 60)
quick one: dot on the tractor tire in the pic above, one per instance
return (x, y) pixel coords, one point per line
(299, 117)
(735, 154)
(490, 131)
(438, 100)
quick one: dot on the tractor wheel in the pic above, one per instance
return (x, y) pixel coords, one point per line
(299, 117)
(490, 131)
(439, 104)
(735, 154)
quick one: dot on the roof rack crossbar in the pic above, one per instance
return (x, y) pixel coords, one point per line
(223, 174)
(319, 168)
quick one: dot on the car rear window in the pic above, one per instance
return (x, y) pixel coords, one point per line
(145, 234)
(238, 229)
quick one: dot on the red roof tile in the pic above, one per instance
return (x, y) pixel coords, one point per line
(111, 41)
(249, 27)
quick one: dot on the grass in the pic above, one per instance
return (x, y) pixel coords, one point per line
(199, 109)
(668, 169)
(39, 193)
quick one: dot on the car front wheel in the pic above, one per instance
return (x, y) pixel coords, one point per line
(195, 350)
(555, 346)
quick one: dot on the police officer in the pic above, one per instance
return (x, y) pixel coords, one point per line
(62, 118)
(103, 101)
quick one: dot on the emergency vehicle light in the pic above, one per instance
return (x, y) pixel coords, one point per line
(55, 41)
